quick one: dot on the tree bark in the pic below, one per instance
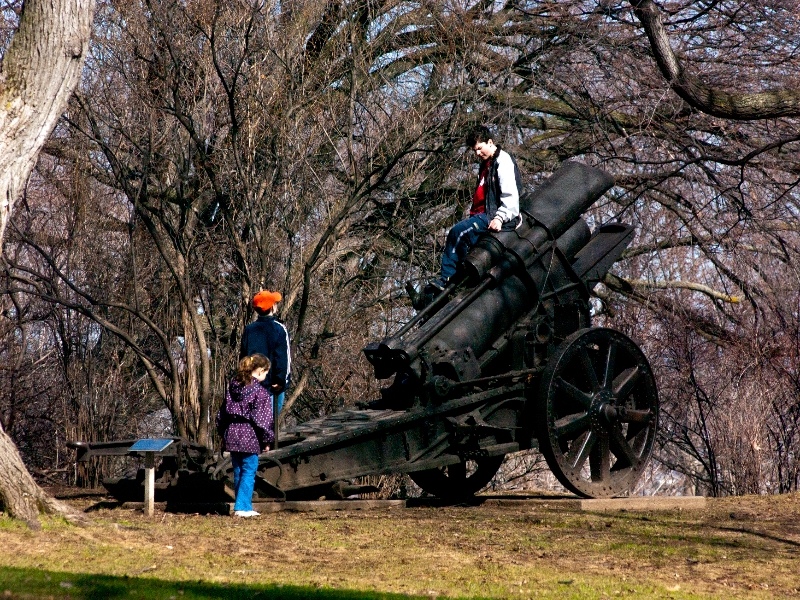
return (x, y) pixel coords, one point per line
(39, 71)
(20, 497)
(712, 101)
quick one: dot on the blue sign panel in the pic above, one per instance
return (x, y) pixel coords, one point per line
(146, 445)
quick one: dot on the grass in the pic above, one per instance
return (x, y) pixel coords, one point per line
(737, 548)
(36, 583)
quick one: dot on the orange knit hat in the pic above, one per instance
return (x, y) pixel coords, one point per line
(264, 300)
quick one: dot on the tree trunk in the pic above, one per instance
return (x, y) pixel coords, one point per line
(20, 497)
(39, 71)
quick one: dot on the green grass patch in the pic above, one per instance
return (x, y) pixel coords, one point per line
(736, 548)
(36, 583)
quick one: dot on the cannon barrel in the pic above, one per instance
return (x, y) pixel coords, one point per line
(508, 275)
(505, 359)
(548, 212)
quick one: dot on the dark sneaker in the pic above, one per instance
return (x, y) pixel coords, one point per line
(437, 285)
(420, 300)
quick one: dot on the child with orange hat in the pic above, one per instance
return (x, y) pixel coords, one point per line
(268, 336)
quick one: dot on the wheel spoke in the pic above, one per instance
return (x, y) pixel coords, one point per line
(636, 431)
(611, 359)
(619, 446)
(584, 399)
(600, 459)
(624, 382)
(631, 415)
(572, 426)
(588, 368)
(580, 450)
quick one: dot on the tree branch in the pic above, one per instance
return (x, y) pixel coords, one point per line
(712, 101)
(686, 285)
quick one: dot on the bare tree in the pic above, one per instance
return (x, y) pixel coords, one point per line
(316, 147)
(40, 68)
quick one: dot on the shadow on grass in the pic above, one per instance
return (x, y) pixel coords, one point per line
(36, 583)
(761, 534)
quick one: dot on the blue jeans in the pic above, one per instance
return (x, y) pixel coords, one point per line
(278, 405)
(245, 466)
(461, 238)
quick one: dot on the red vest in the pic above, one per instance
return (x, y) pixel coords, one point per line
(479, 197)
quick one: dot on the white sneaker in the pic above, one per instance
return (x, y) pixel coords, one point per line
(246, 513)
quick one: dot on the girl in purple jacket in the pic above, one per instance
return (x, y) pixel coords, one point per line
(245, 424)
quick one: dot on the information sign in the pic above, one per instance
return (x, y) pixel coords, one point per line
(151, 445)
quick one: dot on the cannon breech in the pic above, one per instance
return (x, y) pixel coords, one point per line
(505, 359)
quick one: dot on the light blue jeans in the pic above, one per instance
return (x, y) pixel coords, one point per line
(278, 404)
(245, 466)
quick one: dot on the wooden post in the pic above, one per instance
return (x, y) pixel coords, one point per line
(149, 483)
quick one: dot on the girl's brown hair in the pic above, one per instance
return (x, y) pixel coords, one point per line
(244, 372)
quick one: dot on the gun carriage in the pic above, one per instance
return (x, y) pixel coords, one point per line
(505, 359)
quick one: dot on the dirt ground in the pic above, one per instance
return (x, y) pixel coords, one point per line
(735, 548)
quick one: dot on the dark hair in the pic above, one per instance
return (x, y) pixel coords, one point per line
(244, 372)
(479, 133)
(261, 312)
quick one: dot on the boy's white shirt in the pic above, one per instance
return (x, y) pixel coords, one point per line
(509, 195)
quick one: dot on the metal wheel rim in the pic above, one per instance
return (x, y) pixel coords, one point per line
(453, 483)
(598, 413)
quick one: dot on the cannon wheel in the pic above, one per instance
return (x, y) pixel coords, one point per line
(458, 481)
(597, 413)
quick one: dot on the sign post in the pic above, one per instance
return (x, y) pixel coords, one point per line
(150, 448)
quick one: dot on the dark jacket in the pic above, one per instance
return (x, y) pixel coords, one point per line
(244, 420)
(493, 190)
(268, 336)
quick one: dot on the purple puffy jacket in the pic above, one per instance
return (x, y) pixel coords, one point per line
(244, 420)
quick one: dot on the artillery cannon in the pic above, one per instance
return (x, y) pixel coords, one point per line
(505, 359)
